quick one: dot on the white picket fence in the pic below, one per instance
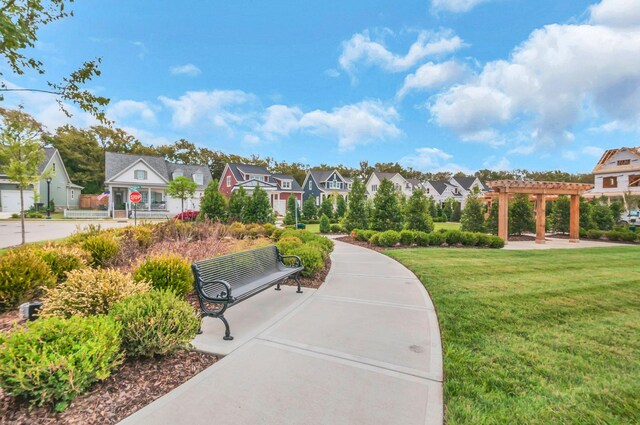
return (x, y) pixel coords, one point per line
(86, 214)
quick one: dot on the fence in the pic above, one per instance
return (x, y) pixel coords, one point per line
(85, 214)
(91, 202)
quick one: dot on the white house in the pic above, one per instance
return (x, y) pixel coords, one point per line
(617, 174)
(441, 191)
(149, 175)
(466, 186)
(401, 184)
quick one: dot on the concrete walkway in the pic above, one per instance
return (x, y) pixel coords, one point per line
(363, 349)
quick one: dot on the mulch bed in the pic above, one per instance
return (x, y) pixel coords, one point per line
(132, 386)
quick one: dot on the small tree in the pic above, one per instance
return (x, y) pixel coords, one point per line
(456, 214)
(492, 219)
(417, 215)
(325, 225)
(326, 207)
(213, 205)
(309, 209)
(356, 217)
(601, 216)
(433, 208)
(585, 214)
(472, 217)
(617, 209)
(341, 207)
(386, 208)
(447, 209)
(290, 216)
(21, 153)
(182, 188)
(238, 204)
(560, 214)
(520, 215)
(259, 208)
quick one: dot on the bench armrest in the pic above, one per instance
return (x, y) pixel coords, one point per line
(223, 283)
(298, 262)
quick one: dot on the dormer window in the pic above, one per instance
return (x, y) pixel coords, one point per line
(178, 173)
(286, 184)
(140, 174)
(198, 178)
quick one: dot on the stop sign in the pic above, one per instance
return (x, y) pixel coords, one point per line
(135, 197)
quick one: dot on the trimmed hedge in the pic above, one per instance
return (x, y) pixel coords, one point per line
(392, 238)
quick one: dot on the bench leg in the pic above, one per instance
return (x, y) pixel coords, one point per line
(278, 286)
(202, 316)
(227, 333)
(299, 291)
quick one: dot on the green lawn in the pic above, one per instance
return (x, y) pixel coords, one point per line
(448, 226)
(313, 228)
(536, 337)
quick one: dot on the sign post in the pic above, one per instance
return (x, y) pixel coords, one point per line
(135, 198)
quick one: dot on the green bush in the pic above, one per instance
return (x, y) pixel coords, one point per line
(359, 235)
(307, 236)
(628, 236)
(594, 234)
(325, 226)
(170, 272)
(255, 230)
(311, 258)
(484, 239)
(288, 244)
(437, 238)
(389, 238)
(320, 247)
(453, 237)
(496, 242)
(141, 234)
(62, 259)
(269, 229)
(155, 323)
(53, 360)
(237, 230)
(102, 248)
(336, 228)
(22, 275)
(277, 234)
(407, 237)
(89, 292)
(583, 233)
(375, 238)
(470, 238)
(421, 238)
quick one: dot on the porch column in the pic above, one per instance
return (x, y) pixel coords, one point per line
(148, 199)
(574, 219)
(110, 205)
(503, 216)
(541, 215)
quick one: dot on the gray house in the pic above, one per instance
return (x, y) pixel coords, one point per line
(320, 184)
(62, 191)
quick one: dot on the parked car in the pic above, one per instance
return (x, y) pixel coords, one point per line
(188, 215)
(631, 218)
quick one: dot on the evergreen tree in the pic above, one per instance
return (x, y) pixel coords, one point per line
(472, 217)
(521, 215)
(356, 217)
(238, 204)
(585, 214)
(325, 225)
(617, 209)
(417, 215)
(492, 219)
(259, 208)
(440, 211)
(433, 207)
(601, 216)
(560, 214)
(213, 205)
(386, 208)
(326, 207)
(456, 213)
(309, 209)
(447, 209)
(341, 207)
(290, 217)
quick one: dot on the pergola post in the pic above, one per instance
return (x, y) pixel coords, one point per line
(574, 219)
(541, 216)
(503, 216)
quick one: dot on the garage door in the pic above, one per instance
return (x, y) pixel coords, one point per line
(11, 200)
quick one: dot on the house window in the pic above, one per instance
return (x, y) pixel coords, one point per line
(228, 181)
(73, 194)
(349, 186)
(310, 185)
(178, 173)
(624, 162)
(198, 178)
(634, 180)
(428, 190)
(53, 167)
(609, 182)
(286, 185)
(374, 187)
(266, 178)
(140, 174)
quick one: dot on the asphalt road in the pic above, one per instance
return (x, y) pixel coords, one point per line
(42, 230)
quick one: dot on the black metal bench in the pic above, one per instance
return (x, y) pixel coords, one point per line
(227, 280)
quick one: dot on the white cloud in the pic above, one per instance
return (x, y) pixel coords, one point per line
(494, 164)
(593, 151)
(548, 83)
(432, 160)
(222, 108)
(281, 120)
(456, 6)
(432, 75)
(333, 73)
(616, 13)
(361, 49)
(131, 109)
(570, 155)
(188, 69)
(142, 49)
(146, 137)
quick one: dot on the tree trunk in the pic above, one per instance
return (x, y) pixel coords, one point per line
(182, 204)
(22, 214)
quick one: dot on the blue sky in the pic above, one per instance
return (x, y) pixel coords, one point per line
(435, 84)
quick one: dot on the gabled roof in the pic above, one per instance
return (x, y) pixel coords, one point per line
(440, 187)
(321, 175)
(48, 154)
(382, 176)
(252, 169)
(295, 186)
(464, 182)
(607, 155)
(414, 182)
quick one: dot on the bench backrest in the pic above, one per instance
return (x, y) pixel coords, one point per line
(239, 268)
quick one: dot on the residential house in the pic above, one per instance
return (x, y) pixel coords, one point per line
(617, 174)
(321, 184)
(149, 175)
(466, 186)
(279, 186)
(61, 190)
(401, 184)
(440, 191)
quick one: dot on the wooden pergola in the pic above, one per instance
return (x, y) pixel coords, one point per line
(505, 188)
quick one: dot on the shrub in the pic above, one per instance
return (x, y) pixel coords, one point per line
(277, 234)
(484, 239)
(155, 323)
(375, 238)
(102, 248)
(269, 229)
(311, 258)
(53, 360)
(496, 242)
(470, 239)
(82, 235)
(22, 274)
(453, 237)
(437, 238)
(237, 230)
(89, 292)
(307, 236)
(368, 233)
(324, 252)
(288, 244)
(407, 237)
(389, 238)
(595, 234)
(421, 238)
(143, 235)
(64, 258)
(324, 224)
(583, 233)
(628, 236)
(170, 272)
(255, 230)
(336, 228)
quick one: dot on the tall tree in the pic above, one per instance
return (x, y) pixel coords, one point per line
(238, 204)
(309, 210)
(326, 207)
(292, 210)
(259, 208)
(472, 219)
(417, 215)
(356, 217)
(182, 188)
(341, 207)
(213, 205)
(560, 214)
(386, 208)
(492, 219)
(21, 152)
(521, 215)
(601, 216)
